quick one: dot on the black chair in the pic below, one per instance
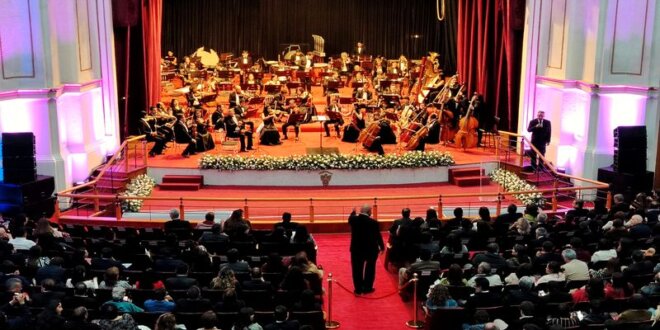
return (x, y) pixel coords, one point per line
(425, 279)
(190, 320)
(261, 300)
(315, 283)
(460, 292)
(315, 319)
(446, 319)
(148, 319)
(226, 319)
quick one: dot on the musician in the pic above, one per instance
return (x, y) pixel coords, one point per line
(299, 59)
(293, 110)
(170, 59)
(307, 67)
(241, 112)
(454, 86)
(175, 108)
(162, 122)
(352, 129)
(236, 96)
(151, 135)
(403, 65)
(432, 65)
(432, 121)
(379, 66)
(253, 83)
(359, 49)
(358, 80)
(345, 64)
(183, 135)
(236, 129)
(362, 97)
(336, 110)
(457, 105)
(268, 135)
(393, 68)
(306, 102)
(331, 88)
(217, 118)
(199, 128)
(541, 133)
(274, 81)
(386, 133)
(405, 111)
(245, 61)
(187, 67)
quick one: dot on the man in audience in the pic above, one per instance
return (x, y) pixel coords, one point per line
(457, 221)
(574, 269)
(639, 266)
(214, 236)
(637, 310)
(53, 270)
(652, 288)
(288, 225)
(527, 316)
(20, 241)
(504, 220)
(105, 261)
(122, 302)
(546, 255)
(637, 228)
(181, 281)
(80, 298)
(256, 281)
(47, 294)
(423, 264)
(524, 292)
(484, 271)
(492, 257)
(619, 205)
(193, 303)
(282, 321)
(161, 302)
(79, 320)
(176, 225)
(208, 320)
(578, 210)
(233, 262)
(209, 221)
(16, 312)
(482, 297)
(168, 262)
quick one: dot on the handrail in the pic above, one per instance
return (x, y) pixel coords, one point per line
(105, 167)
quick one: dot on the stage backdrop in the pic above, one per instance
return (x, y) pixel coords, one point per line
(386, 27)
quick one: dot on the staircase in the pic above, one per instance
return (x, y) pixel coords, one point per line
(113, 182)
(468, 176)
(182, 182)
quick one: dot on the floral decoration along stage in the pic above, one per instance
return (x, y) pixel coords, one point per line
(511, 182)
(411, 159)
(140, 186)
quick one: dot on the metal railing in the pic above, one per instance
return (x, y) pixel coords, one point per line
(132, 154)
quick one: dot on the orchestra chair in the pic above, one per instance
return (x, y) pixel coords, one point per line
(231, 144)
(489, 137)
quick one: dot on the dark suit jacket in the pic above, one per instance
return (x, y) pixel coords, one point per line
(145, 128)
(177, 224)
(186, 305)
(232, 99)
(181, 132)
(365, 235)
(540, 135)
(57, 273)
(180, 283)
(231, 127)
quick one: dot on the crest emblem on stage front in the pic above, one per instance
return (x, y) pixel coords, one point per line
(325, 177)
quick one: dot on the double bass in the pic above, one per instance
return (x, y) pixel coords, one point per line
(422, 133)
(448, 130)
(467, 132)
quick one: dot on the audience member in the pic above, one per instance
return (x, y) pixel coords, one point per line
(574, 270)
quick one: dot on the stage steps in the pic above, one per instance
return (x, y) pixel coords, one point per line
(468, 176)
(182, 182)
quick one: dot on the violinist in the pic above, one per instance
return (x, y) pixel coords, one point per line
(151, 135)
(331, 84)
(432, 122)
(236, 129)
(345, 65)
(357, 123)
(176, 109)
(170, 60)
(253, 83)
(183, 135)
(236, 96)
(362, 97)
(241, 111)
(306, 102)
(217, 118)
(268, 135)
(379, 66)
(333, 111)
(162, 121)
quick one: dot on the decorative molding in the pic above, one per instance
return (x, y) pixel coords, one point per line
(563, 34)
(612, 55)
(595, 88)
(47, 93)
(2, 56)
(89, 38)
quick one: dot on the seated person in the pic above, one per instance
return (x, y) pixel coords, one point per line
(236, 129)
(161, 302)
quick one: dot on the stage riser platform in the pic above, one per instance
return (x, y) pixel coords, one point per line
(313, 179)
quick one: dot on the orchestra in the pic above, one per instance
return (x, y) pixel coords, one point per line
(396, 101)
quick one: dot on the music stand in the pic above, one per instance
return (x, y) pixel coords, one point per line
(256, 102)
(357, 85)
(293, 85)
(225, 74)
(273, 89)
(390, 98)
(320, 150)
(224, 86)
(335, 84)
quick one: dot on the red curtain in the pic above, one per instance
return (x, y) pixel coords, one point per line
(152, 17)
(489, 46)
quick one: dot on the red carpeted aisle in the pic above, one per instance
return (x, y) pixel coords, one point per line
(382, 309)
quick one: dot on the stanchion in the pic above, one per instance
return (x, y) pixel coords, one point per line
(414, 323)
(330, 324)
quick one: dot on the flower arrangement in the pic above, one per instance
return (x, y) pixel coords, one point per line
(511, 182)
(140, 186)
(324, 162)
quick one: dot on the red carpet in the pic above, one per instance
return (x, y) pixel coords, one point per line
(382, 309)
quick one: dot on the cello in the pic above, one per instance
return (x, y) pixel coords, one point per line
(448, 130)
(467, 131)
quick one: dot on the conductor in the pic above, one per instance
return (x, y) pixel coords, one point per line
(541, 132)
(366, 244)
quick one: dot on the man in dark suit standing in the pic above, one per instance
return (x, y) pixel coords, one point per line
(541, 132)
(366, 243)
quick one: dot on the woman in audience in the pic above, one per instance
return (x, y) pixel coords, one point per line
(112, 320)
(51, 317)
(35, 259)
(565, 318)
(111, 280)
(80, 275)
(613, 265)
(484, 214)
(452, 277)
(208, 320)
(45, 229)
(201, 260)
(167, 321)
(236, 225)
(637, 310)
(595, 314)
(552, 274)
(431, 221)
(618, 287)
(245, 320)
(226, 279)
(438, 297)
(519, 256)
(302, 236)
(307, 267)
(454, 245)
(230, 302)
(521, 227)
(594, 290)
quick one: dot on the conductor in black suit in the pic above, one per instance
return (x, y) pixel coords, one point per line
(541, 132)
(366, 244)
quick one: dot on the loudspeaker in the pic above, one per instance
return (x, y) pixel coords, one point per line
(630, 137)
(629, 149)
(125, 12)
(18, 157)
(34, 198)
(628, 184)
